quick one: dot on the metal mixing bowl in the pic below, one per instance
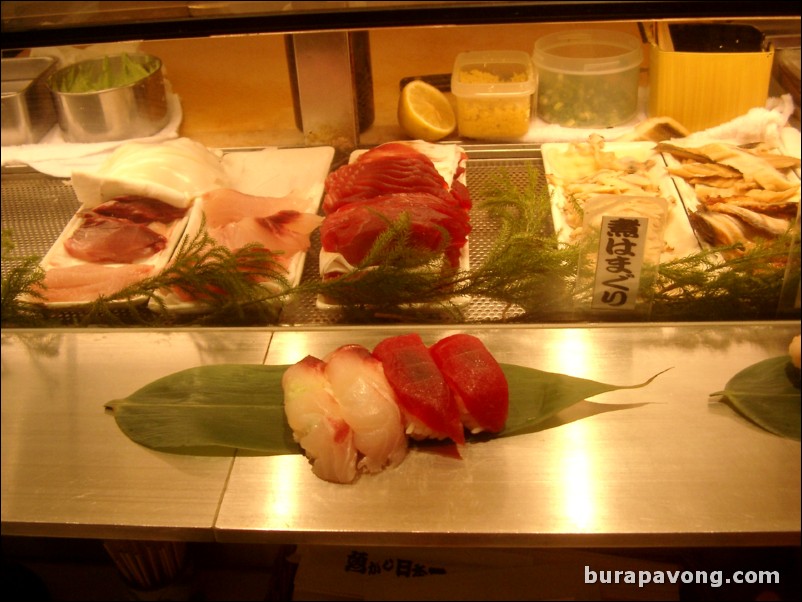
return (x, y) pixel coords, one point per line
(111, 98)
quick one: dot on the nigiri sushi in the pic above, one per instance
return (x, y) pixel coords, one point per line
(476, 380)
(421, 390)
(368, 405)
(353, 411)
(316, 421)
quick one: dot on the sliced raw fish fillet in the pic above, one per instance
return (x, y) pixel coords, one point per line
(420, 388)
(368, 405)
(280, 224)
(140, 210)
(86, 282)
(353, 229)
(390, 149)
(224, 206)
(476, 379)
(285, 232)
(390, 168)
(316, 421)
(109, 240)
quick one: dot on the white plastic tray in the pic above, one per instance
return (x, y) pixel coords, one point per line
(679, 236)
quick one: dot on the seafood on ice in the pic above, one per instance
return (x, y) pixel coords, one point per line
(354, 411)
(423, 181)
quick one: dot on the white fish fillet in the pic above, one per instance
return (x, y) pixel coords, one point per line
(317, 423)
(368, 405)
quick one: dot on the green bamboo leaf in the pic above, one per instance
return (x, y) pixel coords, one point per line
(536, 396)
(212, 410)
(764, 394)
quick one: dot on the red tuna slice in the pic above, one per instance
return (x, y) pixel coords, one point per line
(385, 175)
(420, 388)
(476, 379)
(140, 210)
(353, 229)
(109, 240)
(390, 149)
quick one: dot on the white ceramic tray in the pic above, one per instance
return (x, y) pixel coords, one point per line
(679, 236)
(58, 257)
(269, 172)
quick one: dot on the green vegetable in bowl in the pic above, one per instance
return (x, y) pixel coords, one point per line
(104, 74)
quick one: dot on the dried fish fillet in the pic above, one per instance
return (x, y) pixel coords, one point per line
(704, 170)
(759, 221)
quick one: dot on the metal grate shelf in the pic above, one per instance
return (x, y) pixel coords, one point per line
(37, 207)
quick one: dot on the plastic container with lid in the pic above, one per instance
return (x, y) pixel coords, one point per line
(587, 78)
(493, 91)
(705, 74)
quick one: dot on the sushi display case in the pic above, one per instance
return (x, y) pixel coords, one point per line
(626, 429)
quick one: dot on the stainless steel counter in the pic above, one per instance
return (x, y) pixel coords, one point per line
(657, 466)
(68, 471)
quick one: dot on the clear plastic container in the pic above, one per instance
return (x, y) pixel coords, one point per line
(494, 91)
(587, 78)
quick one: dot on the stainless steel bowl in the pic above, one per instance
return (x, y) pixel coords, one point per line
(27, 109)
(100, 99)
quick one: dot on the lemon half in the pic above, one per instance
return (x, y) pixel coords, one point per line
(424, 112)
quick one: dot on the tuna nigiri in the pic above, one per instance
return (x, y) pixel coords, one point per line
(421, 390)
(368, 405)
(476, 379)
(316, 421)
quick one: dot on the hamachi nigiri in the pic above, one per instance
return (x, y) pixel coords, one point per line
(421, 390)
(476, 380)
(368, 405)
(316, 421)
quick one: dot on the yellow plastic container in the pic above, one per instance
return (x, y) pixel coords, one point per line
(705, 89)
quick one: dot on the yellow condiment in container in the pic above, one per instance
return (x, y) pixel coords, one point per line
(702, 89)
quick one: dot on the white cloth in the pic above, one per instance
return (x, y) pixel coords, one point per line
(55, 157)
(540, 131)
(52, 155)
(761, 124)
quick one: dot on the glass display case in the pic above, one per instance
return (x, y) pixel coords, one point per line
(285, 95)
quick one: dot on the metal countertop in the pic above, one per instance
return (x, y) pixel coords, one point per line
(656, 466)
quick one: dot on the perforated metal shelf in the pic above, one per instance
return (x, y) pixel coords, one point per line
(36, 208)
